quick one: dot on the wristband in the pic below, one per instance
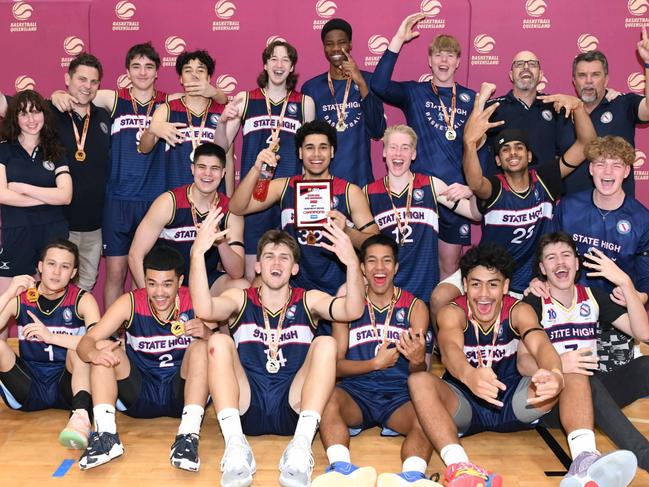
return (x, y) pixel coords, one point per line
(457, 202)
(646, 65)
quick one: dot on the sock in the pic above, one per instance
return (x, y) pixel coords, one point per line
(307, 425)
(191, 419)
(338, 453)
(453, 453)
(414, 464)
(105, 418)
(230, 423)
(580, 441)
(82, 400)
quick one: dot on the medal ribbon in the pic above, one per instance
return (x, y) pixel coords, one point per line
(274, 134)
(173, 315)
(149, 108)
(81, 141)
(272, 339)
(388, 316)
(496, 330)
(192, 206)
(197, 140)
(448, 119)
(401, 226)
(342, 111)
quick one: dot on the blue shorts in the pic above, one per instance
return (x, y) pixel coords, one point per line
(376, 402)
(20, 247)
(49, 387)
(256, 224)
(120, 222)
(145, 395)
(270, 412)
(453, 228)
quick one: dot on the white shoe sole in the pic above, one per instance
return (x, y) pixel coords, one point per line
(617, 469)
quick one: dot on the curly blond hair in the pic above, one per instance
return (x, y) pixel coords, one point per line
(610, 147)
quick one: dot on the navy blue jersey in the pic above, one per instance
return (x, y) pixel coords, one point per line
(180, 231)
(616, 117)
(516, 221)
(150, 345)
(249, 335)
(503, 352)
(436, 156)
(178, 162)
(257, 128)
(418, 256)
(63, 319)
(365, 121)
(21, 167)
(622, 234)
(319, 268)
(134, 176)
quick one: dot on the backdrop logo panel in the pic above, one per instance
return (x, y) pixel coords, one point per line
(225, 10)
(24, 82)
(273, 39)
(324, 9)
(542, 84)
(174, 46)
(640, 159)
(636, 82)
(431, 9)
(639, 9)
(123, 81)
(536, 18)
(125, 11)
(425, 78)
(376, 44)
(587, 42)
(22, 11)
(227, 84)
(484, 44)
(72, 45)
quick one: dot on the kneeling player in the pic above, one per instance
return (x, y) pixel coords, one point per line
(375, 355)
(274, 368)
(52, 316)
(163, 371)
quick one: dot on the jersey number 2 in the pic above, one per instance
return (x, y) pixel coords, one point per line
(521, 234)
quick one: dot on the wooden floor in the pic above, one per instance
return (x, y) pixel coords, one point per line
(30, 453)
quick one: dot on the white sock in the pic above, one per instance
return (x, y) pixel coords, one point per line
(307, 425)
(414, 464)
(191, 419)
(105, 418)
(230, 423)
(338, 453)
(453, 453)
(580, 441)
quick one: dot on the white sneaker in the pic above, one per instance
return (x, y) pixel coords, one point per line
(238, 463)
(296, 464)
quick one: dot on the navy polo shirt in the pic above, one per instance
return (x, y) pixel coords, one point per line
(550, 134)
(89, 177)
(617, 117)
(21, 167)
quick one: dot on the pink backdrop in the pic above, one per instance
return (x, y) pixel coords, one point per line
(40, 37)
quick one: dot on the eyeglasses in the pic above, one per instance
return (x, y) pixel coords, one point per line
(531, 63)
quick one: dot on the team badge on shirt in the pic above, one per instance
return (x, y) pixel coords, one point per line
(418, 195)
(584, 310)
(607, 117)
(623, 227)
(464, 97)
(547, 115)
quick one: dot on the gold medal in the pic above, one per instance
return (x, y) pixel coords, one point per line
(80, 155)
(341, 126)
(449, 114)
(311, 238)
(177, 328)
(450, 135)
(275, 148)
(32, 295)
(273, 336)
(272, 365)
(341, 111)
(273, 140)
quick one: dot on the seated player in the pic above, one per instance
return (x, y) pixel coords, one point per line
(173, 217)
(163, 371)
(375, 355)
(576, 317)
(482, 390)
(316, 143)
(272, 376)
(52, 316)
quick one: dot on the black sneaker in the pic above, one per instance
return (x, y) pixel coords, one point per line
(184, 452)
(102, 448)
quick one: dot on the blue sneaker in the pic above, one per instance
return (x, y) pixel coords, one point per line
(343, 474)
(405, 479)
(615, 469)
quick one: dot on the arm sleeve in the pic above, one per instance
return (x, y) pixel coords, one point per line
(496, 187)
(392, 92)
(641, 263)
(609, 311)
(372, 108)
(536, 304)
(550, 173)
(633, 101)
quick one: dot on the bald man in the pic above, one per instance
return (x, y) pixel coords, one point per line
(550, 134)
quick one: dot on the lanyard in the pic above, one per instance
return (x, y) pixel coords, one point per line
(400, 226)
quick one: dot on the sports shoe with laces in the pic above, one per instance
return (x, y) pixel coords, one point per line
(591, 469)
(343, 474)
(405, 479)
(184, 452)
(75, 434)
(466, 474)
(296, 464)
(238, 463)
(102, 448)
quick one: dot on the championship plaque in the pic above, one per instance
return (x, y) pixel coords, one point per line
(312, 203)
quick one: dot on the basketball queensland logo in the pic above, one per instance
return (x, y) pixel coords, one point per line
(636, 82)
(227, 84)
(125, 11)
(324, 9)
(587, 42)
(376, 44)
(484, 44)
(225, 11)
(536, 15)
(23, 83)
(174, 46)
(639, 11)
(639, 173)
(72, 45)
(123, 81)
(22, 13)
(431, 9)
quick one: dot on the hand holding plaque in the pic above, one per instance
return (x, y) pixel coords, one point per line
(312, 205)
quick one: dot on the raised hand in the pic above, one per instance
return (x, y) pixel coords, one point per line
(643, 46)
(547, 386)
(208, 231)
(412, 346)
(349, 68)
(581, 361)
(340, 244)
(484, 383)
(570, 103)
(36, 330)
(478, 123)
(169, 131)
(64, 101)
(405, 33)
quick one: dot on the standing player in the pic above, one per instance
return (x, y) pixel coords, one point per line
(52, 316)
(175, 215)
(376, 353)
(342, 97)
(405, 206)
(316, 142)
(163, 371)
(272, 369)
(269, 115)
(518, 204)
(186, 122)
(437, 110)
